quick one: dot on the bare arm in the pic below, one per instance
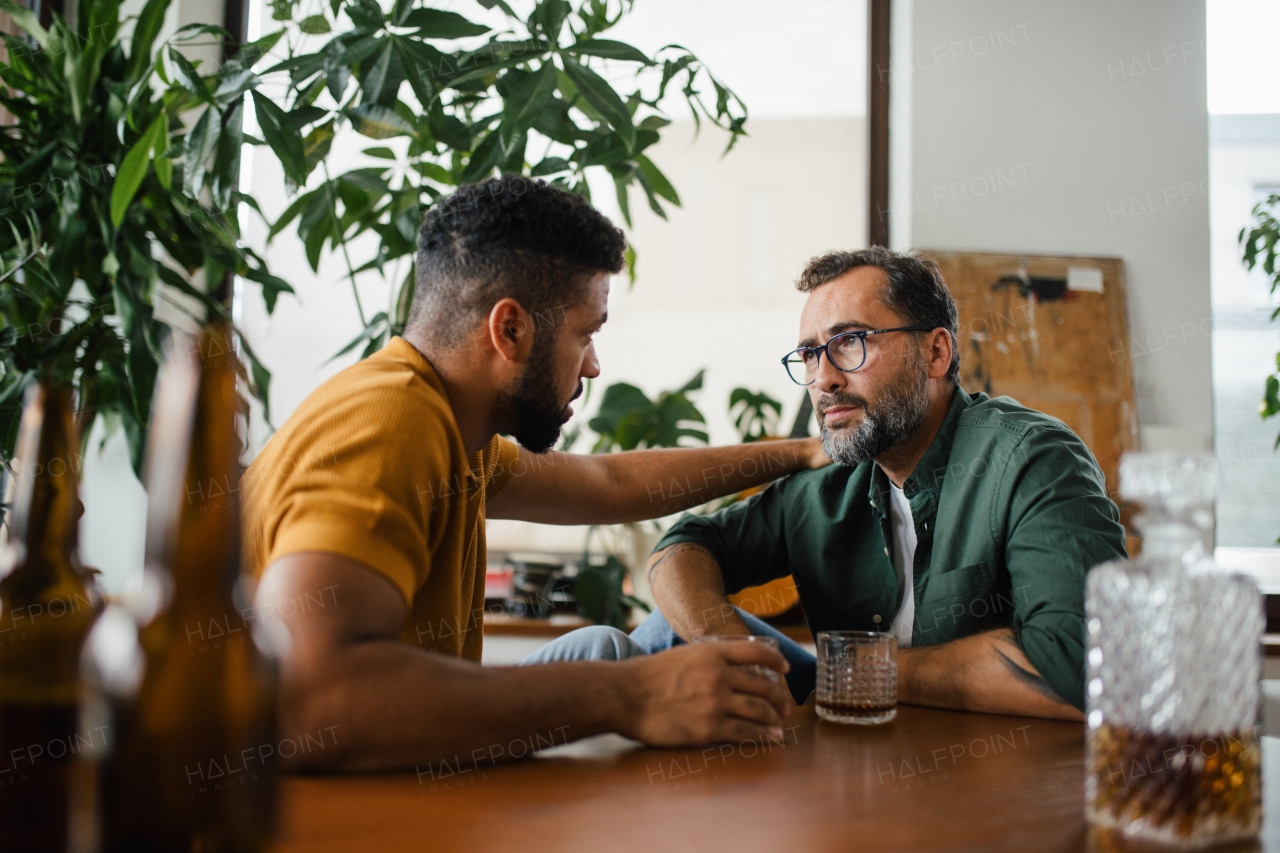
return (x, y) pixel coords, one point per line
(983, 672)
(611, 488)
(391, 705)
(689, 588)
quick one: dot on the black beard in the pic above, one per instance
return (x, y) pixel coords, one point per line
(532, 409)
(898, 413)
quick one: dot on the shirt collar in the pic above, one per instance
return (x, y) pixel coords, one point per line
(932, 467)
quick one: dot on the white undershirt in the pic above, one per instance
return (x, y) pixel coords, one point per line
(904, 555)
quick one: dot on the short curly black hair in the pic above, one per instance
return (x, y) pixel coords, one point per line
(507, 237)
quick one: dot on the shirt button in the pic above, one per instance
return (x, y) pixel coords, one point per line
(876, 619)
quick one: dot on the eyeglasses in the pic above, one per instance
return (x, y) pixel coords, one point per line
(847, 352)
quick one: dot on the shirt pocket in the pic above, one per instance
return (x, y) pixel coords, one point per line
(965, 580)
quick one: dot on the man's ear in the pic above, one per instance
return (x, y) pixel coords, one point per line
(510, 330)
(939, 353)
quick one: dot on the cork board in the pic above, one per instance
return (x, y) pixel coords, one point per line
(1051, 332)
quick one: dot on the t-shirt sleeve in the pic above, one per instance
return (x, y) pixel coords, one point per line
(363, 495)
(503, 452)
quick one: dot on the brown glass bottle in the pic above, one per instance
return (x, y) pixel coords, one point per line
(47, 606)
(192, 765)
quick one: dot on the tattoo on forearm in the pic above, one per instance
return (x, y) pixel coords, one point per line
(682, 548)
(1022, 674)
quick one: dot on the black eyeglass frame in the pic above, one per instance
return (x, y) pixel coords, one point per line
(861, 335)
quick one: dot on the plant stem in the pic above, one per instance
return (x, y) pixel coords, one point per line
(342, 241)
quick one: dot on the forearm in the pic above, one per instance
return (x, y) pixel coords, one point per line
(431, 708)
(689, 588)
(654, 483)
(985, 672)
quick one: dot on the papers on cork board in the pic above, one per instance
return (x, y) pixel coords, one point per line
(1051, 332)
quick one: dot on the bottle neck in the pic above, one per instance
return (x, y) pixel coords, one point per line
(1186, 537)
(193, 522)
(46, 508)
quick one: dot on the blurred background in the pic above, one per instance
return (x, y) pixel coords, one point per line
(1144, 130)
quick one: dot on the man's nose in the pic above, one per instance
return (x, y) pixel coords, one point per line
(590, 364)
(829, 378)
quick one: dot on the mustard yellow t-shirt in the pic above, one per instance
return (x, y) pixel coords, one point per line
(371, 466)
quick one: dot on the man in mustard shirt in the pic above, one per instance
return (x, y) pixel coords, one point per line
(377, 488)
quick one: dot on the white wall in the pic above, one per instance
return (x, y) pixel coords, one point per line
(1094, 112)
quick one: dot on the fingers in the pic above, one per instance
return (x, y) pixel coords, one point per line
(744, 682)
(752, 708)
(736, 730)
(744, 654)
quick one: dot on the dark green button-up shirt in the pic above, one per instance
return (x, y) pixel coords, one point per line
(1010, 512)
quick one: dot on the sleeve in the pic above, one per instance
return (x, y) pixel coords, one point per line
(747, 539)
(1060, 524)
(368, 494)
(504, 454)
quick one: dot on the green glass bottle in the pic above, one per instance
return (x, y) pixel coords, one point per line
(47, 606)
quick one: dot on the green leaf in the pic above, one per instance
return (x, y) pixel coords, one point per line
(26, 19)
(548, 18)
(202, 141)
(381, 153)
(1270, 398)
(133, 169)
(234, 84)
(250, 54)
(487, 155)
(629, 255)
(448, 129)
(303, 115)
(434, 171)
(226, 165)
(193, 31)
(526, 102)
(317, 144)
(272, 286)
(620, 183)
(285, 141)
(164, 172)
(375, 77)
(150, 21)
(657, 181)
(187, 75)
(290, 213)
(366, 14)
(438, 24)
(601, 96)
(315, 25)
(550, 166)
(358, 50)
(607, 49)
(413, 60)
(378, 122)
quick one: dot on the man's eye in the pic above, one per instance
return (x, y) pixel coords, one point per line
(808, 355)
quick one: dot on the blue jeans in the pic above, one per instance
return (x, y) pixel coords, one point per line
(655, 634)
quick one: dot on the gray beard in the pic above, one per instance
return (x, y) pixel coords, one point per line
(888, 423)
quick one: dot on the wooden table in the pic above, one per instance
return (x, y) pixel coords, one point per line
(930, 780)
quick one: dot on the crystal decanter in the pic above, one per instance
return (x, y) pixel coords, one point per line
(1173, 652)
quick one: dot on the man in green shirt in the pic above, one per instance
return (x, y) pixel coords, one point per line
(963, 524)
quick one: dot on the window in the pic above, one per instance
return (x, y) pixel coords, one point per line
(1244, 168)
